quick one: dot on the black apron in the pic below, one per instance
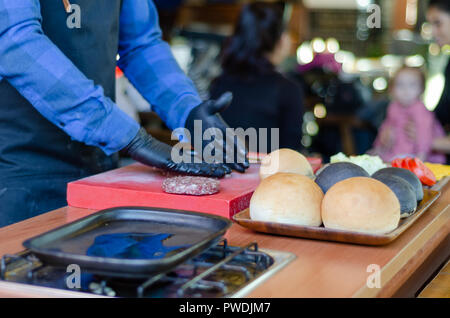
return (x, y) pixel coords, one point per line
(37, 159)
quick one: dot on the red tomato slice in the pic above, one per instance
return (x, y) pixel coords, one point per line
(397, 163)
(416, 166)
(425, 175)
(405, 163)
(412, 164)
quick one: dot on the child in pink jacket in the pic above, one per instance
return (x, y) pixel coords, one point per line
(408, 109)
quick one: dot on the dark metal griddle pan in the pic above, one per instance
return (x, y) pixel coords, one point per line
(69, 244)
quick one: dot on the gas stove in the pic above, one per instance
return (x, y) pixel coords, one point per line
(220, 271)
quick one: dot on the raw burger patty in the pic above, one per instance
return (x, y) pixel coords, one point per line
(191, 185)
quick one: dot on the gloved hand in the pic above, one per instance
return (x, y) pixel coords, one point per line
(208, 113)
(149, 151)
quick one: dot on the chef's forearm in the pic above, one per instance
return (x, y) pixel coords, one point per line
(149, 64)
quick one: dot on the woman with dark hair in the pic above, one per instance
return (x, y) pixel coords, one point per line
(262, 97)
(439, 16)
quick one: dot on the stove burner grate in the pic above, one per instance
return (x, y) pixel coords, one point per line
(219, 271)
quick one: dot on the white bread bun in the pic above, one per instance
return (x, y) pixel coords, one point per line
(287, 198)
(285, 160)
(361, 204)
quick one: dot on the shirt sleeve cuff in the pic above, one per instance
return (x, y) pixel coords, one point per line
(116, 131)
(188, 104)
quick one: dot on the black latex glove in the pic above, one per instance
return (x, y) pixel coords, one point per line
(149, 151)
(208, 113)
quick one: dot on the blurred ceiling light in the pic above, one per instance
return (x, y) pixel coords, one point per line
(312, 128)
(390, 61)
(426, 31)
(404, 35)
(330, 4)
(318, 45)
(308, 116)
(348, 67)
(341, 56)
(364, 65)
(411, 12)
(320, 111)
(434, 49)
(363, 3)
(305, 54)
(306, 141)
(415, 60)
(433, 91)
(347, 59)
(332, 45)
(446, 49)
(380, 84)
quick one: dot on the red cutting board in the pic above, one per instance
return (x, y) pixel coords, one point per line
(139, 185)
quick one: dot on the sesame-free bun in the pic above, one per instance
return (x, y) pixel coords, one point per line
(285, 160)
(361, 204)
(287, 198)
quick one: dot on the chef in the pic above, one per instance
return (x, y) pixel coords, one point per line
(58, 119)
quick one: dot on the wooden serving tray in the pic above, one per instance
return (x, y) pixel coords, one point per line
(327, 234)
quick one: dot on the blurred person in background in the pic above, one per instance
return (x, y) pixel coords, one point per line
(167, 12)
(439, 16)
(393, 141)
(262, 96)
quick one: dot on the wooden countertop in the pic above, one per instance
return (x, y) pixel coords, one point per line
(321, 269)
(439, 287)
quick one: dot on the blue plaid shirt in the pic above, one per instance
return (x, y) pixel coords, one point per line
(31, 63)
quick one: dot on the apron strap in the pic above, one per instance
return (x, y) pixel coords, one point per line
(67, 6)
